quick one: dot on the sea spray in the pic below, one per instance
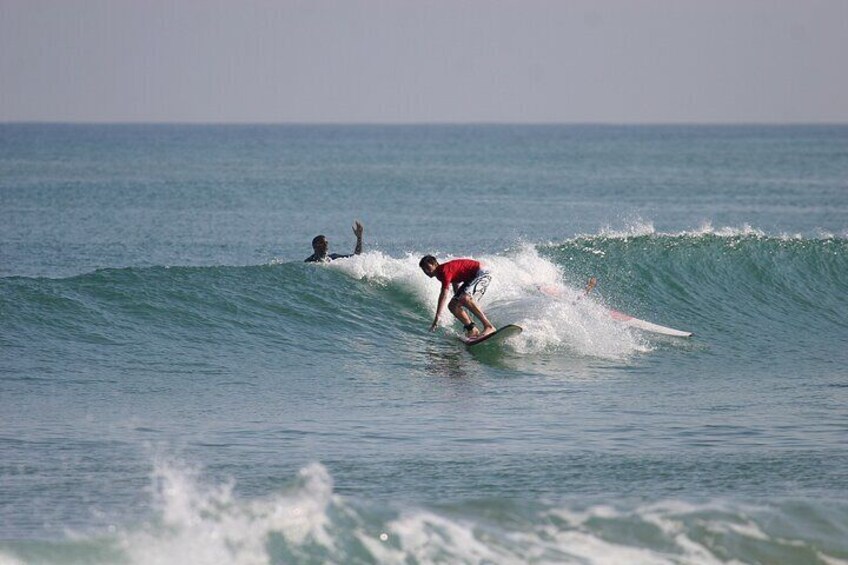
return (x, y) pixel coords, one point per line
(206, 524)
(195, 521)
(568, 322)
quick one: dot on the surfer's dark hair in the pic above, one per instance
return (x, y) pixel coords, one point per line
(428, 260)
(317, 239)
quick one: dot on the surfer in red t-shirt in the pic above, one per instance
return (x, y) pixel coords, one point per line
(469, 281)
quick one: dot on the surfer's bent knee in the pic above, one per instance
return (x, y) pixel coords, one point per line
(459, 302)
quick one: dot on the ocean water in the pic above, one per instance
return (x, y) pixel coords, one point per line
(177, 386)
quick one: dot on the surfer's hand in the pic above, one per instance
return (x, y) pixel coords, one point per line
(357, 229)
(433, 326)
(590, 285)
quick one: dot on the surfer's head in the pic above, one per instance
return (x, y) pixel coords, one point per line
(429, 265)
(320, 244)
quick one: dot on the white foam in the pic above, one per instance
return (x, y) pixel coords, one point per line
(666, 517)
(637, 228)
(566, 323)
(200, 523)
(641, 228)
(707, 228)
(9, 560)
(430, 538)
(207, 525)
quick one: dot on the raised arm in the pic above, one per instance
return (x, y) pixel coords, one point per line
(357, 231)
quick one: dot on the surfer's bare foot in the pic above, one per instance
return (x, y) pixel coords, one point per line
(472, 333)
(488, 330)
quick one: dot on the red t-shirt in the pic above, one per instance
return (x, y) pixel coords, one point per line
(457, 271)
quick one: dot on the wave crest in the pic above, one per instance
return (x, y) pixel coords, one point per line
(306, 522)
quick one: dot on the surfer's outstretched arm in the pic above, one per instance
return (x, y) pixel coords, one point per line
(443, 297)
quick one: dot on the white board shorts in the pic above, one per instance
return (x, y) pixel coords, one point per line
(476, 287)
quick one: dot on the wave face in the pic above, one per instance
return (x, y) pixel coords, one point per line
(715, 283)
(722, 283)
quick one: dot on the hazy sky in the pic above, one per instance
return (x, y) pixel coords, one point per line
(424, 60)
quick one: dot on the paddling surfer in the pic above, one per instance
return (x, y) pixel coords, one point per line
(320, 246)
(469, 280)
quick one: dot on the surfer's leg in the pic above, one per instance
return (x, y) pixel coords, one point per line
(457, 310)
(468, 302)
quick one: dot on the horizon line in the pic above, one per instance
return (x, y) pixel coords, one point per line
(424, 123)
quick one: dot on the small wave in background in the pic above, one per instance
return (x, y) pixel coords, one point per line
(202, 523)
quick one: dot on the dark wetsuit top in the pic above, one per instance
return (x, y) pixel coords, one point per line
(328, 257)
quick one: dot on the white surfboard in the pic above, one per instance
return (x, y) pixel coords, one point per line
(629, 320)
(621, 317)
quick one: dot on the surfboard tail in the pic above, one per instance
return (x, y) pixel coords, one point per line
(644, 325)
